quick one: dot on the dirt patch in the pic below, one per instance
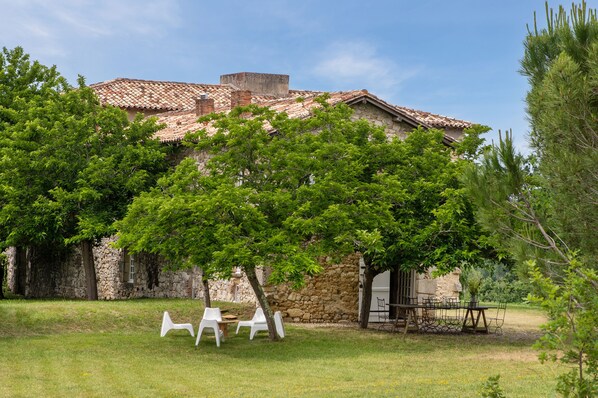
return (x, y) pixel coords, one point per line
(343, 325)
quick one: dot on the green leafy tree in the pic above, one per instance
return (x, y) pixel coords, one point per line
(117, 160)
(69, 166)
(231, 212)
(570, 334)
(397, 202)
(286, 195)
(26, 89)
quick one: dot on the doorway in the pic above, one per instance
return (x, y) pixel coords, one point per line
(394, 286)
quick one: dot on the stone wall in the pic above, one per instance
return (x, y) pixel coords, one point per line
(331, 296)
(70, 278)
(65, 277)
(11, 275)
(236, 290)
(440, 287)
(454, 133)
(381, 118)
(35, 275)
(149, 278)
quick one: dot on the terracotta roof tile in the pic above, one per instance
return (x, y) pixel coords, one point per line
(163, 96)
(177, 125)
(438, 121)
(177, 101)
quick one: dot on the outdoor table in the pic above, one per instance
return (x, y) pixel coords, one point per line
(471, 321)
(411, 311)
(223, 324)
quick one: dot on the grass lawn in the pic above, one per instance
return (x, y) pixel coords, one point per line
(113, 349)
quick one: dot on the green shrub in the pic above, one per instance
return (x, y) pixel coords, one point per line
(491, 389)
(504, 290)
(501, 284)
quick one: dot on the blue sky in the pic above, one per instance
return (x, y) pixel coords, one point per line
(458, 58)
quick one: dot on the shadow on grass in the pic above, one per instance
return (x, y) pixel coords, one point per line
(133, 326)
(331, 343)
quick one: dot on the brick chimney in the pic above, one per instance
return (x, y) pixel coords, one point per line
(240, 98)
(204, 105)
(259, 83)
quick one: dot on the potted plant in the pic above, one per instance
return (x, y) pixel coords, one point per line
(473, 283)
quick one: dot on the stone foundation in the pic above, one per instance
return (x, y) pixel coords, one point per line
(332, 296)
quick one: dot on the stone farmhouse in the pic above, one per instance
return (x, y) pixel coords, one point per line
(333, 296)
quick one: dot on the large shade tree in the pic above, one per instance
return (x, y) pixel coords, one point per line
(398, 202)
(281, 193)
(26, 90)
(68, 166)
(231, 210)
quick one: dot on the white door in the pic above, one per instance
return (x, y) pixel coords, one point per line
(380, 289)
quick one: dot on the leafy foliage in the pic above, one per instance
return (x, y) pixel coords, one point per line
(492, 389)
(570, 335)
(561, 62)
(543, 208)
(68, 166)
(563, 285)
(473, 281)
(27, 90)
(282, 193)
(501, 284)
(230, 215)
(513, 206)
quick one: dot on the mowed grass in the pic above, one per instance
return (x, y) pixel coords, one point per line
(113, 349)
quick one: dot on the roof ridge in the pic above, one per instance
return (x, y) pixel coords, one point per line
(127, 79)
(431, 113)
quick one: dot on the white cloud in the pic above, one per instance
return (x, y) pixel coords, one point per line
(116, 17)
(353, 65)
(51, 27)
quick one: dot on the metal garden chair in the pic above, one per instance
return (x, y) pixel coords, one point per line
(498, 321)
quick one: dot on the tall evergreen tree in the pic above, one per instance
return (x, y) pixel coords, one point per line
(543, 209)
(561, 63)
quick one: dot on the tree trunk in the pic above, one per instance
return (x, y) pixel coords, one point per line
(2, 268)
(263, 300)
(368, 278)
(21, 271)
(206, 289)
(90, 270)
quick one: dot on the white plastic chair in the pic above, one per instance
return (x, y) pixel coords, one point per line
(279, 324)
(258, 318)
(167, 325)
(211, 317)
(264, 326)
